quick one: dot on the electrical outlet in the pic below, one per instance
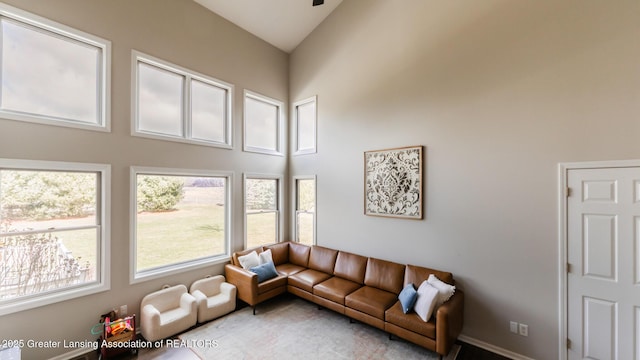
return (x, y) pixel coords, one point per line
(513, 326)
(523, 329)
(123, 311)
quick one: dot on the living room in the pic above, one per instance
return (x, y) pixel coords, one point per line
(498, 93)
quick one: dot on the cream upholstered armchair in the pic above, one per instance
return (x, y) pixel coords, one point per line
(167, 312)
(214, 297)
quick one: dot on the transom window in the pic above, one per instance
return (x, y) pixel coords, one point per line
(51, 73)
(262, 210)
(263, 124)
(180, 220)
(53, 232)
(304, 126)
(177, 104)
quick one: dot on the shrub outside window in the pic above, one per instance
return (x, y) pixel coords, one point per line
(262, 210)
(180, 220)
(177, 104)
(52, 74)
(53, 232)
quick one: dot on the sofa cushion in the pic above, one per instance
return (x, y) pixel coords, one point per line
(411, 321)
(289, 269)
(416, 275)
(265, 271)
(371, 300)
(249, 260)
(322, 259)
(234, 257)
(299, 254)
(384, 275)
(445, 291)
(426, 302)
(335, 289)
(350, 266)
(407, 298)
(279, 253)
(268, 285)
(306, 279)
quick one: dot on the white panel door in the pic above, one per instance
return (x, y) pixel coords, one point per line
(603, 282)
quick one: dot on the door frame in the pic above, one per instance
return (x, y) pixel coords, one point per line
(563, 243)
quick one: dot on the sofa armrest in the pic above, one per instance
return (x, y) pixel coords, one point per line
(150, 317)
(449, 320)
(245, 281)
(229, 290)
(188, 302)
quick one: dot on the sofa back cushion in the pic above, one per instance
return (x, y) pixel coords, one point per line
(234, 257)
(416, 275)
(350, 266)
(384, 275)
(322, 259)
(279, 252)
(299, 254)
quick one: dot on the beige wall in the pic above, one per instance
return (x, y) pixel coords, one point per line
(499, 92)
(178, 31)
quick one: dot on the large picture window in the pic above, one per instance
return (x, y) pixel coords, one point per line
(53, 232)
(180, 220)
(51, 73)
(262, 210)
(263, 124)
(305, 213)
(173, 103)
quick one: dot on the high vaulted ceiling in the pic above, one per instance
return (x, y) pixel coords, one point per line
(282, 23)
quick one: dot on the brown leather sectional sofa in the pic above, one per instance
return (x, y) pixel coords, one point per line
(365, 289)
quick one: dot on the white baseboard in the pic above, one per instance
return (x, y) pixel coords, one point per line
(494, 349)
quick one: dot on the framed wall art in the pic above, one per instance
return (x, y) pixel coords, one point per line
(393, 182)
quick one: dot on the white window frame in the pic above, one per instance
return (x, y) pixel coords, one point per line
(279, 150)
(52, 28)
(188, 75)
(103, 258)
(296, 136)
(137, 277)
(294, 200)
(278, 211)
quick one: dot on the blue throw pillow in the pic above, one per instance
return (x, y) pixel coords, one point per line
(408, 297)
(265, 271)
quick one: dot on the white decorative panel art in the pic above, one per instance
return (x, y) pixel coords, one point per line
(599, 246)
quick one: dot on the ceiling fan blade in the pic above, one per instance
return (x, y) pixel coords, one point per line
(318, 2)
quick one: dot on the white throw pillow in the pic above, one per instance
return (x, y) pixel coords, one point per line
(426, 302)
(445, 291)
(265, 257)
(250, 260)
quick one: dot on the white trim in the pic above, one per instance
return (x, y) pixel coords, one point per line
(279, 150)
(294, 205)
(314, 149)
(188, 75)
(104, 73)
(180, 267)
(494, 349)
(563, 168)
(103, 259)
(279, 217)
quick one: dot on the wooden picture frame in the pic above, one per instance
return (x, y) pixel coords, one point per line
(393, 182)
